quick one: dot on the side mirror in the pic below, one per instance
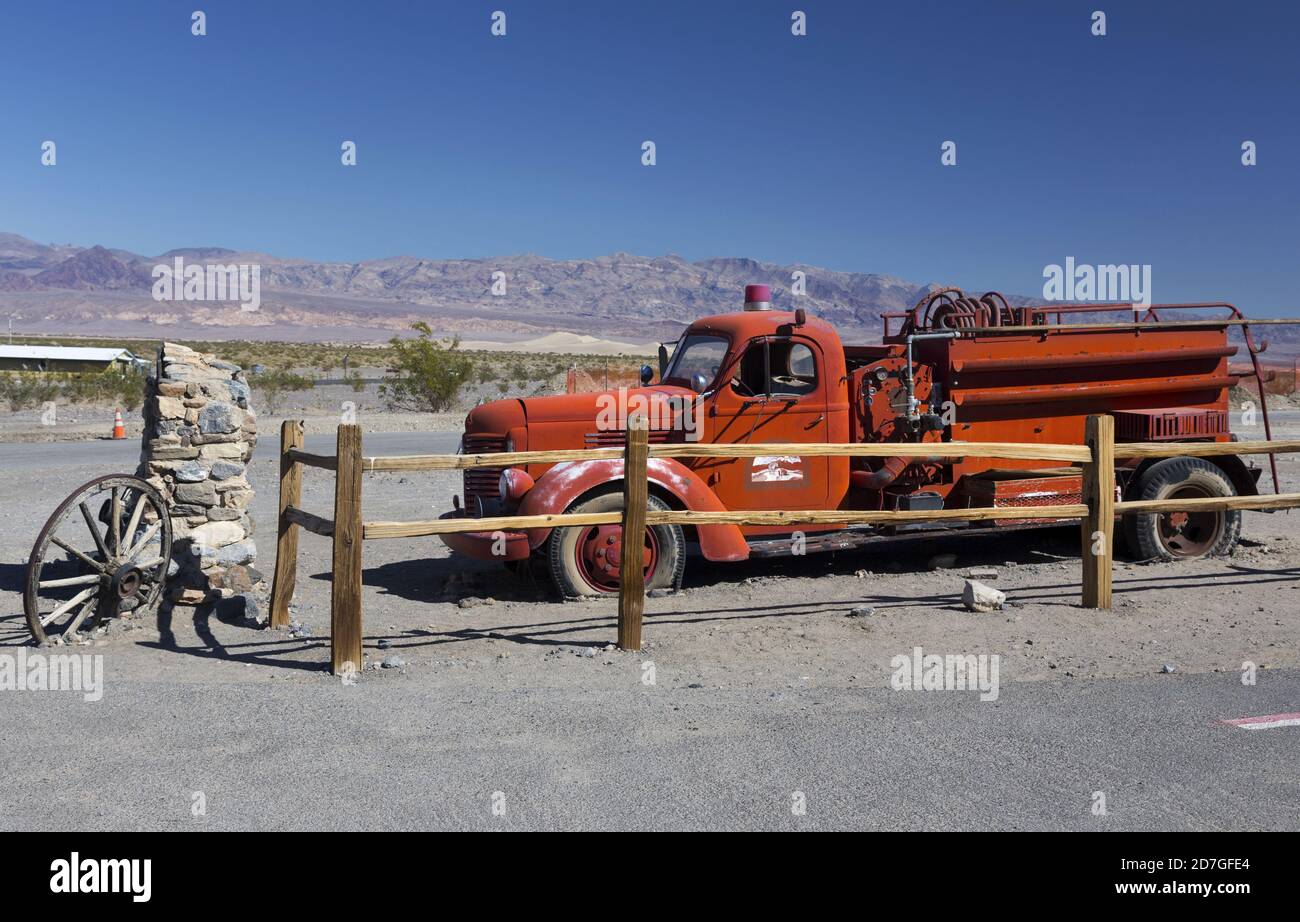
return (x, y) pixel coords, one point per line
(647, 374)
(800, 317)
(663, 360)
(699, 382)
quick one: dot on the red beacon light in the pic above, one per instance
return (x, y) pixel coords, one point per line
(758, 298)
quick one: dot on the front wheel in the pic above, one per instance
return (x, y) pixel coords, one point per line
(1180, 535)
(586, 560)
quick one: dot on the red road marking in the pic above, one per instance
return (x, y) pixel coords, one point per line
(1267, 722)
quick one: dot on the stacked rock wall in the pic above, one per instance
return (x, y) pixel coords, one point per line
(199, 437)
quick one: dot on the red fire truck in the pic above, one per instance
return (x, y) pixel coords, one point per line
(953, 368)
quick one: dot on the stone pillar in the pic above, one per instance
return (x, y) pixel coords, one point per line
(199, 436)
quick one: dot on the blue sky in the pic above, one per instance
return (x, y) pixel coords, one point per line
(822, 149)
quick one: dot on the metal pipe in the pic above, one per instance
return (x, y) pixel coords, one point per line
(1016, 363)
(883, 476)
(888, 472)
(1057, 394)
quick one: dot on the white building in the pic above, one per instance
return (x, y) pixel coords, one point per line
(66, 358)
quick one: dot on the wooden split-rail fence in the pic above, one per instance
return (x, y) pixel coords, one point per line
(349, 531)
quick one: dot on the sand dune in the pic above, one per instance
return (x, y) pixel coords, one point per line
(560, 342)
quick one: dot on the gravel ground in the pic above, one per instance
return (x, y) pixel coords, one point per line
(741, 623)
(778, 668)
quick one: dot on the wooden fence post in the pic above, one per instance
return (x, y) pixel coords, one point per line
(345, 602)
(286, 547)
(1098, 528)
(631, 590)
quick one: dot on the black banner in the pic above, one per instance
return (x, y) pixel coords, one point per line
(139, 871)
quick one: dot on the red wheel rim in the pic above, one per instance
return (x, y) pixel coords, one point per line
(1190, 534)
(599, 552)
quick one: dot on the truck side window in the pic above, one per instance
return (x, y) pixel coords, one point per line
(793, 370)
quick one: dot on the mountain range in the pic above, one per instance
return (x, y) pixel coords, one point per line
(63, 289)
(60, 289)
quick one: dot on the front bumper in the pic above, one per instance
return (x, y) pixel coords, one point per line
(479, 544)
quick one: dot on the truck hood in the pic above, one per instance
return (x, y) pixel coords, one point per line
(661, 403)
(495, 418)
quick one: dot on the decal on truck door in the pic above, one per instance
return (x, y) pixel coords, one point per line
(776, 469)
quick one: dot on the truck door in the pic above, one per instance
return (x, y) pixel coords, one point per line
(776, 393)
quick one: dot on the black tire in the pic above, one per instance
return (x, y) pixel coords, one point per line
(567, 571)
(1176, 536)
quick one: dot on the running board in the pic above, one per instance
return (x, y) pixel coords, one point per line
(852, 538)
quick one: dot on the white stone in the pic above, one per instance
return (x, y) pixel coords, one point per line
(221, 450)
(978, 597)
(217, 534)
(170, 408)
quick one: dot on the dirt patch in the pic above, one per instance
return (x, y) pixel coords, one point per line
(761, 625)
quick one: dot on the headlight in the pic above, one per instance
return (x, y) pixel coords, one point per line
(513, 484)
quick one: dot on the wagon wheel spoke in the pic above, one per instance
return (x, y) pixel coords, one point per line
(136, 512)
(86, 609)
(142, 543)
(94, 531)
(67, 606)
(69, 581)
(115, 520)
(89, 561)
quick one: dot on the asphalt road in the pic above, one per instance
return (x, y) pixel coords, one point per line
(114, 456)
(602, 751)
(123, 455)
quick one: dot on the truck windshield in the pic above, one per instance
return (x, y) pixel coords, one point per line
(697, 353)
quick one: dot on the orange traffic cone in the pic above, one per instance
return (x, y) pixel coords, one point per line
(119, 430)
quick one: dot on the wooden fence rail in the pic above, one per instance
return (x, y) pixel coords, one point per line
(348, 531)
(946, 450)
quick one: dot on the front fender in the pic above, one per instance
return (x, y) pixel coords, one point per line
(560, 486)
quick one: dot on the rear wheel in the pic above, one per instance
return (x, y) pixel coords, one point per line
(586, 560)
(1178, 535)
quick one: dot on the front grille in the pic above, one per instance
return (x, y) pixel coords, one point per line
(617, 438)
(481, 482)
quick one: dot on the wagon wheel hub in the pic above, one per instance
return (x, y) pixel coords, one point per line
(125, 582)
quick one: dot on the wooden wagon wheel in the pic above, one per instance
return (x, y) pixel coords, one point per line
(104, 551)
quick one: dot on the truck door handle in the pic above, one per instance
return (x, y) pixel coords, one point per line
(820, 417)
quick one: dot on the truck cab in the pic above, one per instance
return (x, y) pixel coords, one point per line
(772, 376)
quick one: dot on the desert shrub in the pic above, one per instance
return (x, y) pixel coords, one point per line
(130, 389)
(429, 373)
(22, 391)
(11, 394)
(119, 387)
(274, 383)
